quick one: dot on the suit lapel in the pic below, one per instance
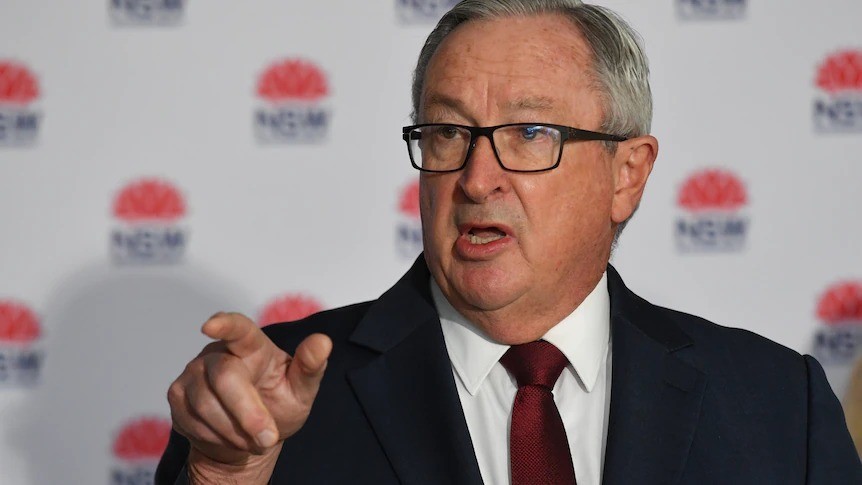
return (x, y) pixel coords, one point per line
(655, 396)
(408, 392)
(409, 396)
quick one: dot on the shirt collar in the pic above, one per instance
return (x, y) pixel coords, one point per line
(582, 337)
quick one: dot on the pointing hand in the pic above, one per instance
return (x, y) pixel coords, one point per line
(242, 396)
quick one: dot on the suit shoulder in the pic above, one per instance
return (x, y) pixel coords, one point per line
(337, 323)
(745, 369)
(712, 339)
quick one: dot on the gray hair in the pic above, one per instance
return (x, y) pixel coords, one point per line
(620, 66)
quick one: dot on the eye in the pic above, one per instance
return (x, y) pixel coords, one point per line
(446, 131)
(531, 132)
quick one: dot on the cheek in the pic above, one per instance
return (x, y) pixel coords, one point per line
(432, 204)
(593, 183)
(429, 197)
(573, 212)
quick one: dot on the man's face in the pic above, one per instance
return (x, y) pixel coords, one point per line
(515, 252)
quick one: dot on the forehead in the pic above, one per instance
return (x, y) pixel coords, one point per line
(536, 63)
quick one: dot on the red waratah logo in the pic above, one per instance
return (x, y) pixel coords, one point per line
(712, 220)
(18, 324)
(842, 303)
(292, 80)
(293, 108)
(408, 230)
(148, 225)
(712, 189)
(17, 84)
(149, 200)
(143, 439)
(841, 72)
(288, 308)
(409, 202)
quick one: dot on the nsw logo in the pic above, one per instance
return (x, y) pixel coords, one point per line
(21, 353)
(288, 308)
(408, 229)
(422, 11)
(19, 119)
(838, 108)
(710, 9)
(839, 339)
(712, 218)
(146, 12)
(148, 216)
(293, 108)
(137, 449)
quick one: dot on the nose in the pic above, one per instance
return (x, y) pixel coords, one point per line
(483, 177)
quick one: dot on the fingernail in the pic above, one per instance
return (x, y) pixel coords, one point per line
(266, 438)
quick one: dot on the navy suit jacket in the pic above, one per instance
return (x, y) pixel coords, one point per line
(691, 402)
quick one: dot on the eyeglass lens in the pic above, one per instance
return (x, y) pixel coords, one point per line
(519, 147)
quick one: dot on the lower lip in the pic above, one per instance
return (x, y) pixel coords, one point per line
(480, 252)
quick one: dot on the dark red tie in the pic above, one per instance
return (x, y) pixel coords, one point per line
(539, 450)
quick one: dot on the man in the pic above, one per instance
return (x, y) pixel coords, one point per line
(534, 149)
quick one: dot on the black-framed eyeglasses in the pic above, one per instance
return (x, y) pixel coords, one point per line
(519, 147)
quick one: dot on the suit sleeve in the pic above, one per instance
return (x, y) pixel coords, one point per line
(172, 466)
(832, 458)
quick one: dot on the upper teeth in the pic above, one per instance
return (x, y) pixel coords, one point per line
(474, 239)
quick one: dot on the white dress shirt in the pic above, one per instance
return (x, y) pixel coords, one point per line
(582, 392)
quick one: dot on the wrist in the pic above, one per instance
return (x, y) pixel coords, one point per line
(256, 469)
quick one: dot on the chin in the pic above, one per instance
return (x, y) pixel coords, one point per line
(484, 302)
(486, 296)
(510, 333)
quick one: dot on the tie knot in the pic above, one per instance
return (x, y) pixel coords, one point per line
(536, 363)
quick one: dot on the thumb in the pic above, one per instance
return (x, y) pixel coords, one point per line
(306, 370)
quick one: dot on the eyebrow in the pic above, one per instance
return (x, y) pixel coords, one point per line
(447, 104)
(540, 103)
(451, 105)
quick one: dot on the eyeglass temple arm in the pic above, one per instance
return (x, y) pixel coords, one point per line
(579, 134)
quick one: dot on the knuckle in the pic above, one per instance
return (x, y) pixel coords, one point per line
(222, 361)
(192, 368)
(176, 394)
(210, 348)
(220, 366)
(224, 384)
(205, 406)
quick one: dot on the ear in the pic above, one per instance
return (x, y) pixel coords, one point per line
(633, 163)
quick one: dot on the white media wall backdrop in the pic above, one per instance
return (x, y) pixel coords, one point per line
(164, 159)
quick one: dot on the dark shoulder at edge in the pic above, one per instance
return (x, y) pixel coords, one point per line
(711, 338)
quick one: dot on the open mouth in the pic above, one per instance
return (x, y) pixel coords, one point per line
(485, 235)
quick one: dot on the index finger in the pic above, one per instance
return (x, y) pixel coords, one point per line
(241, 336)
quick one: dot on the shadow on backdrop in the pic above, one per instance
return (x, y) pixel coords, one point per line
(115, 337)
